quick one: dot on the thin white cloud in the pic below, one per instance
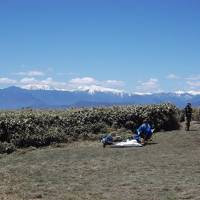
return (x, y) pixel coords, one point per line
(189, 84)
(36, 87)
(47, 84)
(172, 76)
(84, 84)
(33, 73)
(150, 86)
(5, 80)
(83, 81)
(28, 80)
(66, 74)
(193, 78)
(113, 83)
(194, 84)
(89, 83)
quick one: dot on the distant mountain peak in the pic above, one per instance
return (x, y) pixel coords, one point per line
(38, 87)
(142, 93)
(95, 88)
(191, 92)
(13, 88)
(15, 97)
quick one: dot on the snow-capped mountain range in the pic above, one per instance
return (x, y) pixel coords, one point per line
(17, 98)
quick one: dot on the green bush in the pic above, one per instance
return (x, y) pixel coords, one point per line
(7, 147)
(37, 128)
(196, 114)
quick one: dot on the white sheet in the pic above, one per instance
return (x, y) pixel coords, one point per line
(128, 143)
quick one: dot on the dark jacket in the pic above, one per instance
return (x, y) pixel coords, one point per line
(188, 111)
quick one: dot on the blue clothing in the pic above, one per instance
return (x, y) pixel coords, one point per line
(107, 139)
(143, 131)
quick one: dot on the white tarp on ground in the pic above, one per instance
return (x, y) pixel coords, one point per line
(128, 143)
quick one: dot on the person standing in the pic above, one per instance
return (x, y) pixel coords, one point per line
(188, 116)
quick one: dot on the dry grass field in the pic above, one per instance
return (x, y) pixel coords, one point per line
(166, 169)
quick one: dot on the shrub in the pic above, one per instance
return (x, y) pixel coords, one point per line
(7, 147)
(37, 128)
(196, 114)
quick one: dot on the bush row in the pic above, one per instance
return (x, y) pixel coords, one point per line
(37, 128)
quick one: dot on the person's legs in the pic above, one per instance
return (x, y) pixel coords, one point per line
(143, 138)
(187, 124)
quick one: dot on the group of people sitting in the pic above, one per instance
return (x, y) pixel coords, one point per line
(144, 132)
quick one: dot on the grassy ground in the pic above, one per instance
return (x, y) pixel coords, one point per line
(169, 168)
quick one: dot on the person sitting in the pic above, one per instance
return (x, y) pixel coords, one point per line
(144, 132)
(106, 140)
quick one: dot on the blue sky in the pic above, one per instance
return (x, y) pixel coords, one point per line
(129, 45)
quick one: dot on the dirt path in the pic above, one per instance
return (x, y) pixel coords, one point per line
(167, 169)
